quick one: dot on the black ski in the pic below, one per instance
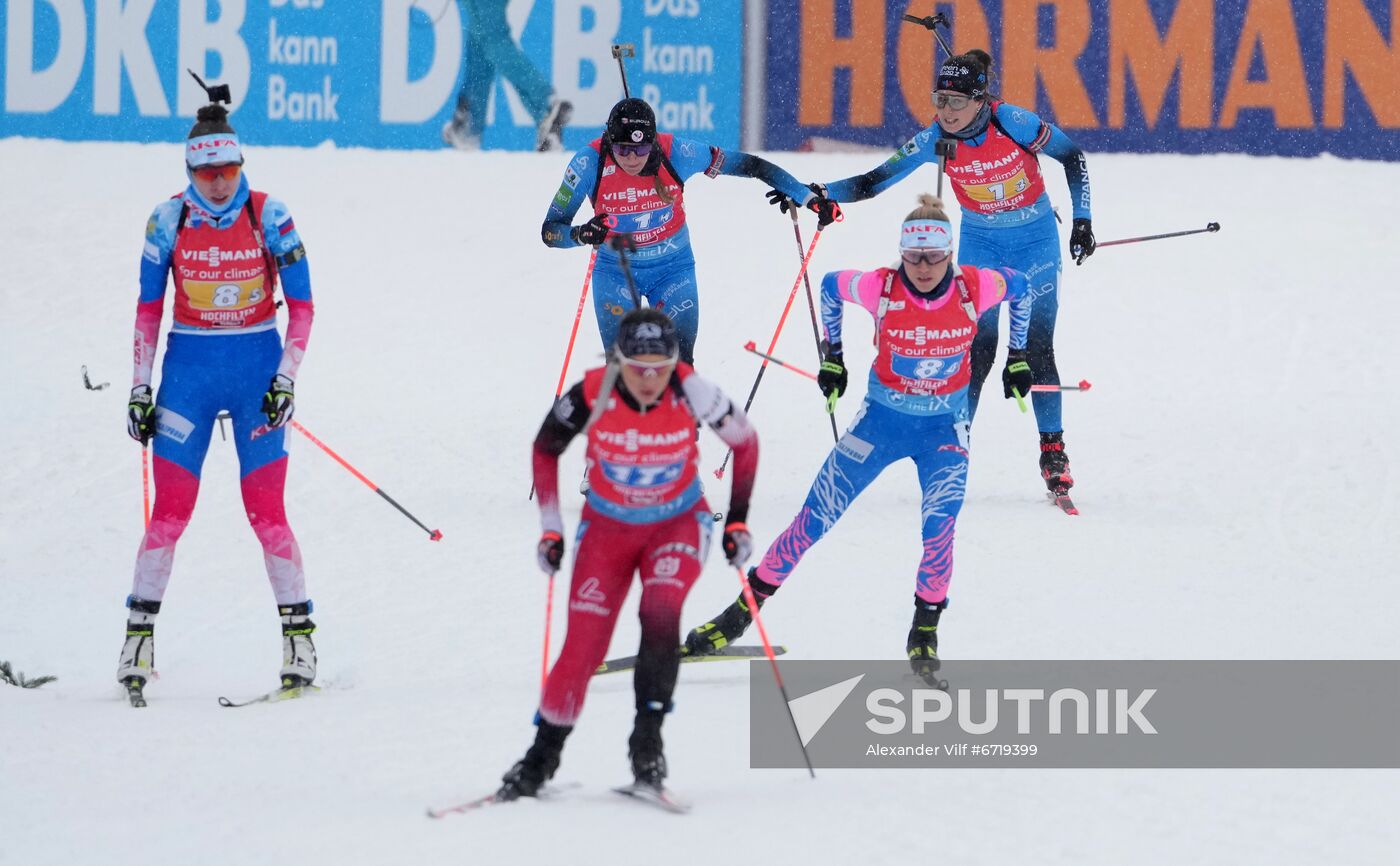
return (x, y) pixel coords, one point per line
(285, 693)
(546, 793)
(134, 691)
(657, 795)
(627, 663)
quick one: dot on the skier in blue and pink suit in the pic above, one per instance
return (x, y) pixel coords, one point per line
(916, 406)
(225, 246)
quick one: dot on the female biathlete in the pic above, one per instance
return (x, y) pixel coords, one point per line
(645, 514)
(225, 245)
(1006, 220)
(636, 177)
(926, 316)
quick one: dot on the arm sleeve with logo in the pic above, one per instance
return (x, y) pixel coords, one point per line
(155, 273)
(691, 157)
(280, 232)
(574, 189)
(863, 288)
(1037, 136)
(995, 285)
(915, 152)
(714, 407)
(565, 421)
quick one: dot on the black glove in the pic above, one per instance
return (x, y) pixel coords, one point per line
(140, 414)
(832, 378)
(738, 544)
(1081, 240)
(827, 211)
(593, 232)
(550, 552)
(1016, 375)
(784, 203)
(278, 403)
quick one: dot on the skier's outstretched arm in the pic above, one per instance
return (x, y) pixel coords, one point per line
(915, 152)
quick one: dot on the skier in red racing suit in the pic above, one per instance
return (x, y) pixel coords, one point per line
(646, 514)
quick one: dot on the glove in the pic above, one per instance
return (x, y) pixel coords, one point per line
(832, 378)
(593, 232)
(1081, 240)
(827, 211)
(737, 543)
(550, 552)
(1016, 376)
(784, 203)
(140, 414)
(278, 403)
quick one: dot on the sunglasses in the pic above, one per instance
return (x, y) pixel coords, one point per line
(632, 149)
(931, 257)
(647, 368)
(208, 173)
(957, 103)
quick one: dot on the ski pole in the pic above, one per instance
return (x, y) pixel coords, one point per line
(433, 534)
(811, 308)
(751, 346)
(146, 481)
(932, 22)
(619, 52)
(624, 244)
(573, 332)
(773, 660)
(548, 621)
(792, 295)
(1084, 385)
(1210, 227)
(946, 148)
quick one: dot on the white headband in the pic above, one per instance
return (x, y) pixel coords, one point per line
(217, 149)
(926, 235)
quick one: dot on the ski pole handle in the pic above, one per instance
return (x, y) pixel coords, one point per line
(1210, 227)
(1084, 385)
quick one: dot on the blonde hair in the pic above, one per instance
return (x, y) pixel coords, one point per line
(930, 208)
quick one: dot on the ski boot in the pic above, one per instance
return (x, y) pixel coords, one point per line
(538, 766)
(549, 132)
(1054, 463)
(298, 652)
(730, 625)
(457, 131)
(644, 749)
(138, 659)
(922, 645)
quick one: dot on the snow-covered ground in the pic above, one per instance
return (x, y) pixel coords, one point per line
(1236, 474)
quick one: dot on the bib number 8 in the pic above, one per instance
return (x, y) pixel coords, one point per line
(928, 368)
(227, 295)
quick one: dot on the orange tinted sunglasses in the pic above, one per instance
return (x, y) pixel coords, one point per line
(208, 173)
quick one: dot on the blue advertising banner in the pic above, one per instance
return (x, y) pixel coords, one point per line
(1292, 77)
(373, 73)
